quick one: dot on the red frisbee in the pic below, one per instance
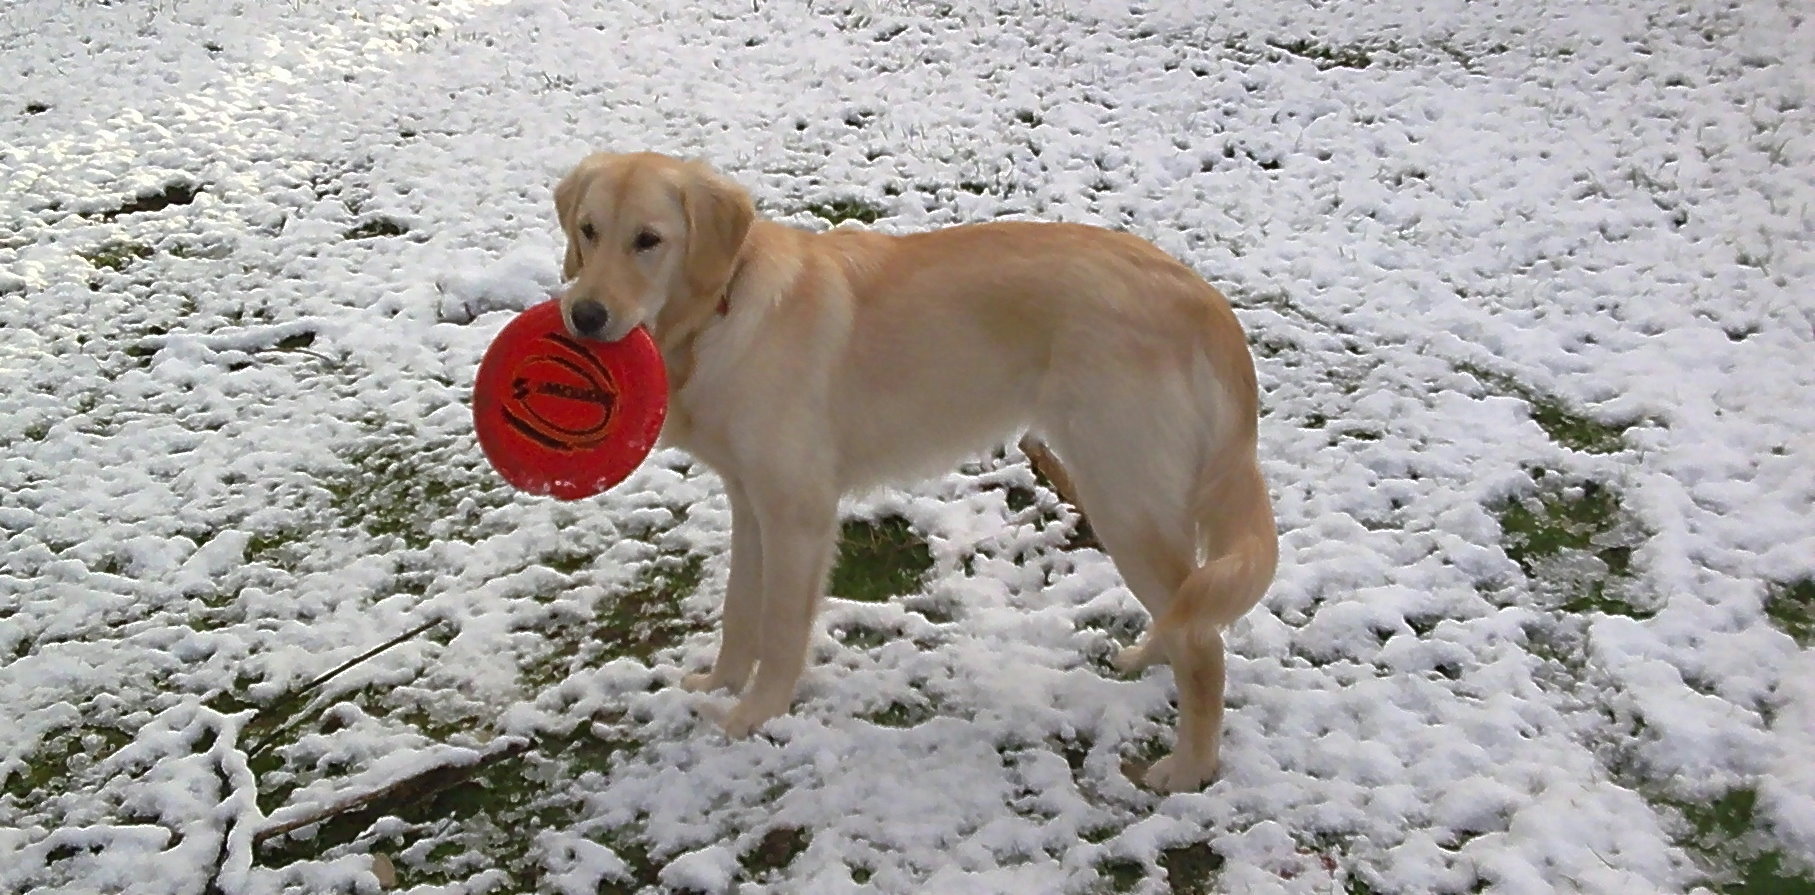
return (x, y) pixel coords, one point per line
(566, 417)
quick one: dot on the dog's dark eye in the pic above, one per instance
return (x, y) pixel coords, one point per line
(646, 240)
(588, 232)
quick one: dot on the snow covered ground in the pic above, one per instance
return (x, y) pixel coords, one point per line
(1529, 288)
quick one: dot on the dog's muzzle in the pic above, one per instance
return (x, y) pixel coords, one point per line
(590, 319)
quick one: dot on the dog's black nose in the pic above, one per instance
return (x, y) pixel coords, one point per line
(589, 319)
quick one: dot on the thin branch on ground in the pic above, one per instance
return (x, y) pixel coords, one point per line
(271, 738)
(402, 792)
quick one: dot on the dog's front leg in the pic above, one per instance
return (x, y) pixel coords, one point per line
(740, 625)
(798, 527)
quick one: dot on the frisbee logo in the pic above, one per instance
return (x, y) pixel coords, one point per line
(561, 397)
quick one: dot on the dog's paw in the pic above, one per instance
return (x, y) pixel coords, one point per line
(1131, 659)
(744, 718)
(1175, 773)
(709, 681)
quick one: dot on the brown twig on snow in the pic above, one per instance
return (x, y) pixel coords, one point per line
(402, 792)
(271, 738)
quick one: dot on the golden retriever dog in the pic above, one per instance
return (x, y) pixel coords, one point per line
(805, 366)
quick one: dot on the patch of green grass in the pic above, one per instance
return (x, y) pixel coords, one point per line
(774, 852)
(1791, 607)
(1726, 837)
(1191, 869)
(377, 227)
(1326, 56)
(1729, 841)
(138, 351)
(900, 714)
(56, 759)
(281, 548)
(1241, 48)
(568, 561)
(173, 193)
(860, 636)
(637, 622)
(1548, 525)
(1564, 425)
(397, 487)
(879, 559)
(1576, 540)
(1575, 431)
(1354, 884)
(838, 211)
(1470, 57)
(116, 255)
(645, 871)
(1120, 874)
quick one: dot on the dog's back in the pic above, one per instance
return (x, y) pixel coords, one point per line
(961, 336)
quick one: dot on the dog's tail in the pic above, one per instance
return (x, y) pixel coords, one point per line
(1240, 547)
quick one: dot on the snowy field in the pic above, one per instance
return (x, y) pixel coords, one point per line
(1528, 284)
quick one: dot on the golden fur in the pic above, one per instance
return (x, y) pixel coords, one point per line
(807, 366)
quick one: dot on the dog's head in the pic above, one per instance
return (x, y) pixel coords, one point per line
(647, 235)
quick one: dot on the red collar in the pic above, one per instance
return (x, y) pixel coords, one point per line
(724, 298)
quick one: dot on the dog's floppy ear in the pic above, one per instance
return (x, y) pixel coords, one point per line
(567, 202)
(719, 214)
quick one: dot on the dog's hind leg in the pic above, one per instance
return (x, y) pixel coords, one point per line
(1154, 565)
(1153, 502)
(1155, 553)
(1137, 512)
(1196, 652)
(1236, 519)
